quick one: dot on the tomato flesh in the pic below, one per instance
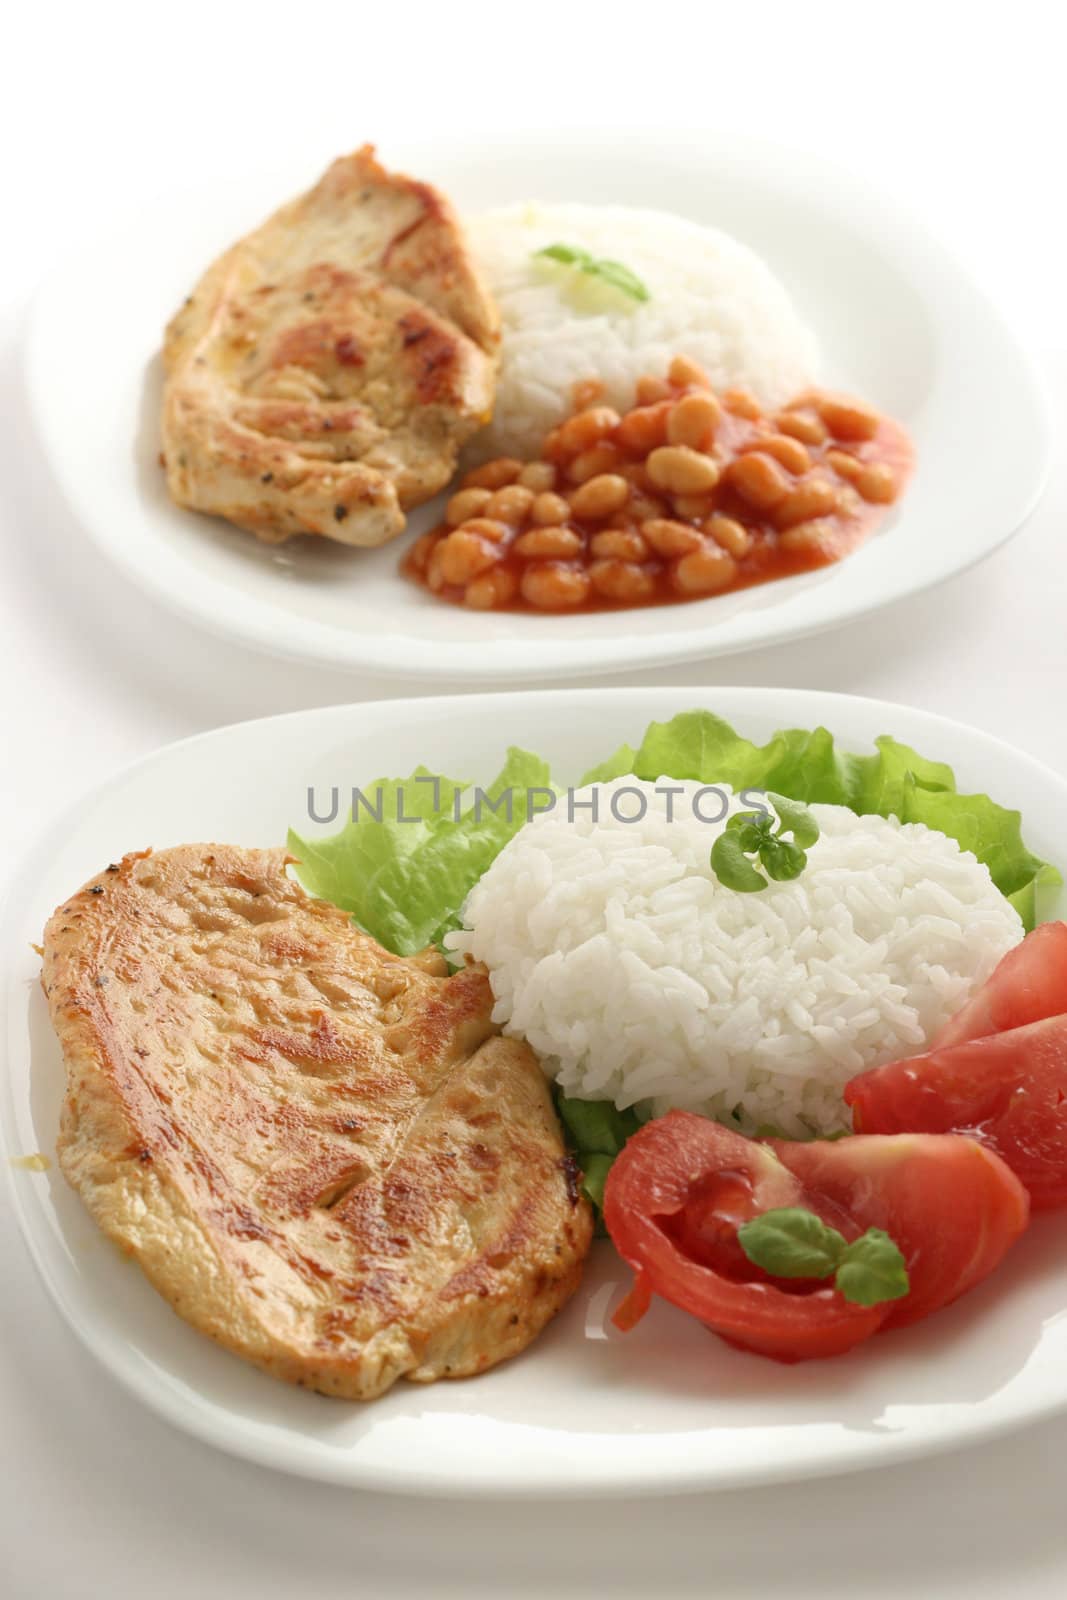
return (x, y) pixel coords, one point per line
(678, 1233)
(683, 1185)
(1008, 1090)
(951, 1205)
(1028, 985)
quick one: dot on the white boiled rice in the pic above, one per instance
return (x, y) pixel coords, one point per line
(712, 299)
(638, 977)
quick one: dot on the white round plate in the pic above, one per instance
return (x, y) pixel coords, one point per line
(898, 320)
(585, 1410)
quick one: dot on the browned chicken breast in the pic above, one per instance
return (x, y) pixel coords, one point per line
(326, 370)
(317, 1152)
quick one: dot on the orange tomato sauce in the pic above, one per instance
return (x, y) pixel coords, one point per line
(686, 495)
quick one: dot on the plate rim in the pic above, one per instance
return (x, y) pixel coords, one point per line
(267, 628)
(226, 1429)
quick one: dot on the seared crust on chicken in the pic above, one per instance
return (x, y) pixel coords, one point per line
(326, 370)
(317, 1152)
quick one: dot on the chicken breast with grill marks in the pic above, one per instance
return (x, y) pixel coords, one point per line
(326, 370)
(319, 1153)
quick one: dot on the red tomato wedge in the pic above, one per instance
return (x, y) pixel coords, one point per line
(1028, 985)
(673, 1202)
(682, 1186)
(1008, 1090)
(952, 1206)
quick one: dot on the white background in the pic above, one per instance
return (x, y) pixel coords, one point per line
(956, 108)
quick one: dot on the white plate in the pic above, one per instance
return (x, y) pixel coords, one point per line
(899, 323)
(585, 1410)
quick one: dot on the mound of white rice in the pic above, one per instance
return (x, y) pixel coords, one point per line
(712, 299)
(616, 952)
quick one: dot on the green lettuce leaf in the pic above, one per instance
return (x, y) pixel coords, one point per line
(596, 1131)
(619, 765)
(881, 781)
(595, 1126)
(405, 881)
(806, 765)
(979, 824)
(595, 1168)
(700, 747)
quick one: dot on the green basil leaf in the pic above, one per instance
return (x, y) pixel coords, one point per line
(782, 861)
(620, 277)
(732, 867)
(795, 819)
(569, 254)
(897, 781)
(872, 1270)
(751, 830)
(792, 1243)
(611, 272)
(406, 884)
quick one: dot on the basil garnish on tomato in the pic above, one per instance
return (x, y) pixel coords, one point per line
(795, 1243)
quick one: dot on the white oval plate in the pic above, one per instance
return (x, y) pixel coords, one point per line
(898, 320)
(586, 1410)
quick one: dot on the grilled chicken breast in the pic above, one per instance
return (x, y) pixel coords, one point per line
(326, 370)
(317, 1152)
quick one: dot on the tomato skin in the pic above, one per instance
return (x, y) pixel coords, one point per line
(646, 1197)
(683, 1185)
(1028, 985)
(1008, 1090)
(950, 1204)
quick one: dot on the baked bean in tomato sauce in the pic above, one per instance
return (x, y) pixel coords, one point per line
(689, 494)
